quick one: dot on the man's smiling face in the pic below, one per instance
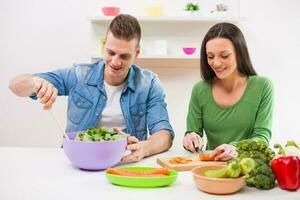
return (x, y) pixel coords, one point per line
(119, 55)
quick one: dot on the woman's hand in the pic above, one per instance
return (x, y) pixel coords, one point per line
(228, 152)
(193, 142)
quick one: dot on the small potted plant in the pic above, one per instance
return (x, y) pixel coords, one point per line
(220, 8)
(192, 7)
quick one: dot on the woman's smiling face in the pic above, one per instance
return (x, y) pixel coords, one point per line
(221, 57)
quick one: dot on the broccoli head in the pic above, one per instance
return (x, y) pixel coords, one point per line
(261, 177)
(246, 145)
(255, 150)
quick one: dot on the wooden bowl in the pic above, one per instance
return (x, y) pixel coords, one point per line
(216, 185)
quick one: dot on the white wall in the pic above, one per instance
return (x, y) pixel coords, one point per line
(41, 35)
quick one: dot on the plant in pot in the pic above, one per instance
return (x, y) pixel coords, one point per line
(220, 8)
(192, 7)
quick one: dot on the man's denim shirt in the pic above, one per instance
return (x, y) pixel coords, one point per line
(142, 99)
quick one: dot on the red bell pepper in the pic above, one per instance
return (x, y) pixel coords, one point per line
(286, 170)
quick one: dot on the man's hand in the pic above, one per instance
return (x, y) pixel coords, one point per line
(26, 84)
(192, 141)
(228, 152)
(156, 143)
(137, 149)
(133, 145)
(45, 91)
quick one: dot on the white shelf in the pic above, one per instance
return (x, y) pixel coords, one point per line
(178, 31)
(186, 61)
(170, 19)
(188, 57)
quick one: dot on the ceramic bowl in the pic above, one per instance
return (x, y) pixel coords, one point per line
(110, 11)
(216, 185)
(94, 155)
(155, 11)
(189, 50)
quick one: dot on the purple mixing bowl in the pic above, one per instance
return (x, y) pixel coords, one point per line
(94, 155)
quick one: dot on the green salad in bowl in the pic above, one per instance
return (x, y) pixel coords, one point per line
(99, 134)
(95, 148)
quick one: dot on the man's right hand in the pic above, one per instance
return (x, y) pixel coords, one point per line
(192, 140)
(26, 84)
(45, 92)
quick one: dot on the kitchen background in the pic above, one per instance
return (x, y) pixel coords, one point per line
(42, 35)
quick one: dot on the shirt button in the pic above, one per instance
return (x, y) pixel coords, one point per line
(78, 104)
(97, 114)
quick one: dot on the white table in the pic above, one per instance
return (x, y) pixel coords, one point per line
(46, 173)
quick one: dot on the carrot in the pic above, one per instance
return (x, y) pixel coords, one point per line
(147, 173)
(180, 160)
(209, 156)
(205, 157)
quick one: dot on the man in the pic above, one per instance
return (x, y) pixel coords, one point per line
(111, 92)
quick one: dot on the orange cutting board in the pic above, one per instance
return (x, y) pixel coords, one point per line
(164, 162)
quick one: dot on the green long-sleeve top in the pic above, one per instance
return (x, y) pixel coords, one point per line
(249, 118)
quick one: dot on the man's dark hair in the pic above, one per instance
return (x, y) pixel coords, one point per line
(125, 27)
(233, 33)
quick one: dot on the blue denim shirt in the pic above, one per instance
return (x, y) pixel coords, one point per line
(142, 99)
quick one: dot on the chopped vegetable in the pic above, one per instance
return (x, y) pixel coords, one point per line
(100, 134)
(180, 160)
(159, 172)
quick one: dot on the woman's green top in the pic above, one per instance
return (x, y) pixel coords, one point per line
(249, 118)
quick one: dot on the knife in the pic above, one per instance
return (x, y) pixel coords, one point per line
(197, 148)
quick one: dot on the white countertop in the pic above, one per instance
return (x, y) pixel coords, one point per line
(46, 173)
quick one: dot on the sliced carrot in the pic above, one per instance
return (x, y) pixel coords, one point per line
(142, 175)
(180, 160)
(146, 173)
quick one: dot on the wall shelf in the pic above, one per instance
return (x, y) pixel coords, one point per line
(178, 31)
(172, 19)
(187, 61)
(188, 57)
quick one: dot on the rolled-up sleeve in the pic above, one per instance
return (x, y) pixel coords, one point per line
(157, 114)
(61, 79)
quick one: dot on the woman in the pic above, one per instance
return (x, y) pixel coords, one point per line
(232, 102)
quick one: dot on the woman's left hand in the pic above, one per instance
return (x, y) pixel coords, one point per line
(228, 152)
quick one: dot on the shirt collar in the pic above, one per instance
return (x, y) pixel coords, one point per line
(131, 78)
(97, 77)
